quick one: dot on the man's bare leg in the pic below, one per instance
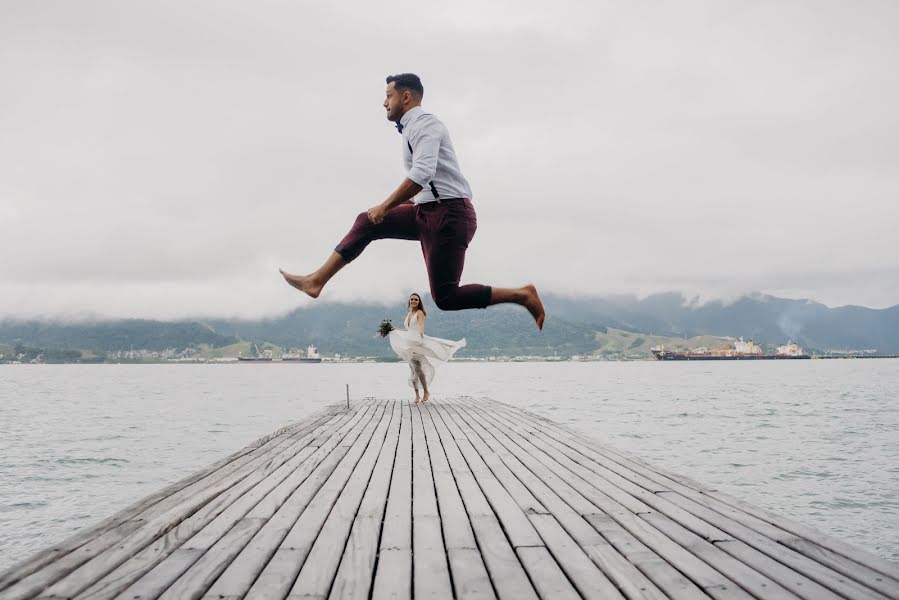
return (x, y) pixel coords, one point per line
(313, 283)
(526, 296)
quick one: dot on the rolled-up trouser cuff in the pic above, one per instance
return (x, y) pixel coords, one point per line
(344, 253)
(488, 293)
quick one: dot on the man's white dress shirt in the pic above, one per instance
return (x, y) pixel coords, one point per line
(430, 158)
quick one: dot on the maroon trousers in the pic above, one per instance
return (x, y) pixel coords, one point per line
(444, 229)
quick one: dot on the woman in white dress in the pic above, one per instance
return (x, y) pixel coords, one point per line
(423, 353)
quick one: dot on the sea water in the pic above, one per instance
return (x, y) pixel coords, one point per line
(816, 441)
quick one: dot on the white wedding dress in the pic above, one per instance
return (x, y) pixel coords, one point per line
(421, 352)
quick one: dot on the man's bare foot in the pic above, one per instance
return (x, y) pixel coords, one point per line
(304, 283)
(426, 397)
(534, 305)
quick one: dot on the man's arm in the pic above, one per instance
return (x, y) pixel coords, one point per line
(424, 139)
(405, 192)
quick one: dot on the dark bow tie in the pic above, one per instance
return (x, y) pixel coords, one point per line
(399, 127)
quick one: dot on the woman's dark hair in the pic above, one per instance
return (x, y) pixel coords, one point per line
(421, 305)
(407, 81)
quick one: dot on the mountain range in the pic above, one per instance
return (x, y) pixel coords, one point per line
(574, 325)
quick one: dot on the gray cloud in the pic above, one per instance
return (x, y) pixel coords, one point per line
(163, 159)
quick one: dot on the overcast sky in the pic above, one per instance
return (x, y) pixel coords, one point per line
(163, 159)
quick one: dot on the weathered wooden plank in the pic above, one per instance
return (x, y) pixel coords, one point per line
(562, 501)
(797, 583)
(470, 578)
(740, 573)
(155, 522)
(704, 506)
(212, 520)
(393, 577)
(233, 528)
(545, 574)
(660, 572)
(457, 531)
(794, 582)
(241, 570)
(515, 523)
(280, 573)
(623, 490)
(836, 581)
(815, 571)
(523, 496)
(589, 581)
(430, 571)
(753, 516)
(320, 567)
(838, 562)
(631, 490)
(642, 555)
(700, 546)
(469, 574)
(48, 567)
(528, 503)
(708, 579)
(54, 553)
(506, 571)
(134, 564)
(807, 553)
(844, 555)
(393, 566)
(357, 566)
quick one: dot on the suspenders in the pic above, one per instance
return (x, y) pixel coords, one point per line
(430, 183)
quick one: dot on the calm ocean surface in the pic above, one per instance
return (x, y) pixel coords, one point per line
(817, 441)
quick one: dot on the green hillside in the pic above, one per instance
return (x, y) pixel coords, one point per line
(620, 344)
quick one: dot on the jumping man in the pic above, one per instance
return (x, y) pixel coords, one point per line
(432, 205)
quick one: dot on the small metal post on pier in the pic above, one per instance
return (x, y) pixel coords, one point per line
(347, 395)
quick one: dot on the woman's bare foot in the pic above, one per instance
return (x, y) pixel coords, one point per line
(534, 305)
(426, 397)
(305, 283)
(417, 397)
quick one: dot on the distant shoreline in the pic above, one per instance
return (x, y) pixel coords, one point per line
(387, 359)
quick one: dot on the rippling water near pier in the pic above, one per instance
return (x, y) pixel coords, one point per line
(817, 441)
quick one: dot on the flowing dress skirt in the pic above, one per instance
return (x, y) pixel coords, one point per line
(424, 353)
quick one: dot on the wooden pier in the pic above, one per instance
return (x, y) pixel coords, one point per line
(460, 498)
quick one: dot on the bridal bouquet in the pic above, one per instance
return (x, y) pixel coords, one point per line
(385, 328)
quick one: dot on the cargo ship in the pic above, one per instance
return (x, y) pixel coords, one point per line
(258, 357)
(742, 350)
(294, 355)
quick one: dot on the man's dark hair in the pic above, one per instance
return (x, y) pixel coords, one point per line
(407, 81)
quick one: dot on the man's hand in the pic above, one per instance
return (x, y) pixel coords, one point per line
(404, 193)
(376, 214)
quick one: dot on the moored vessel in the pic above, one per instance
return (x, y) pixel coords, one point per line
(260, 356)
(742, 350)
(295, 355)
